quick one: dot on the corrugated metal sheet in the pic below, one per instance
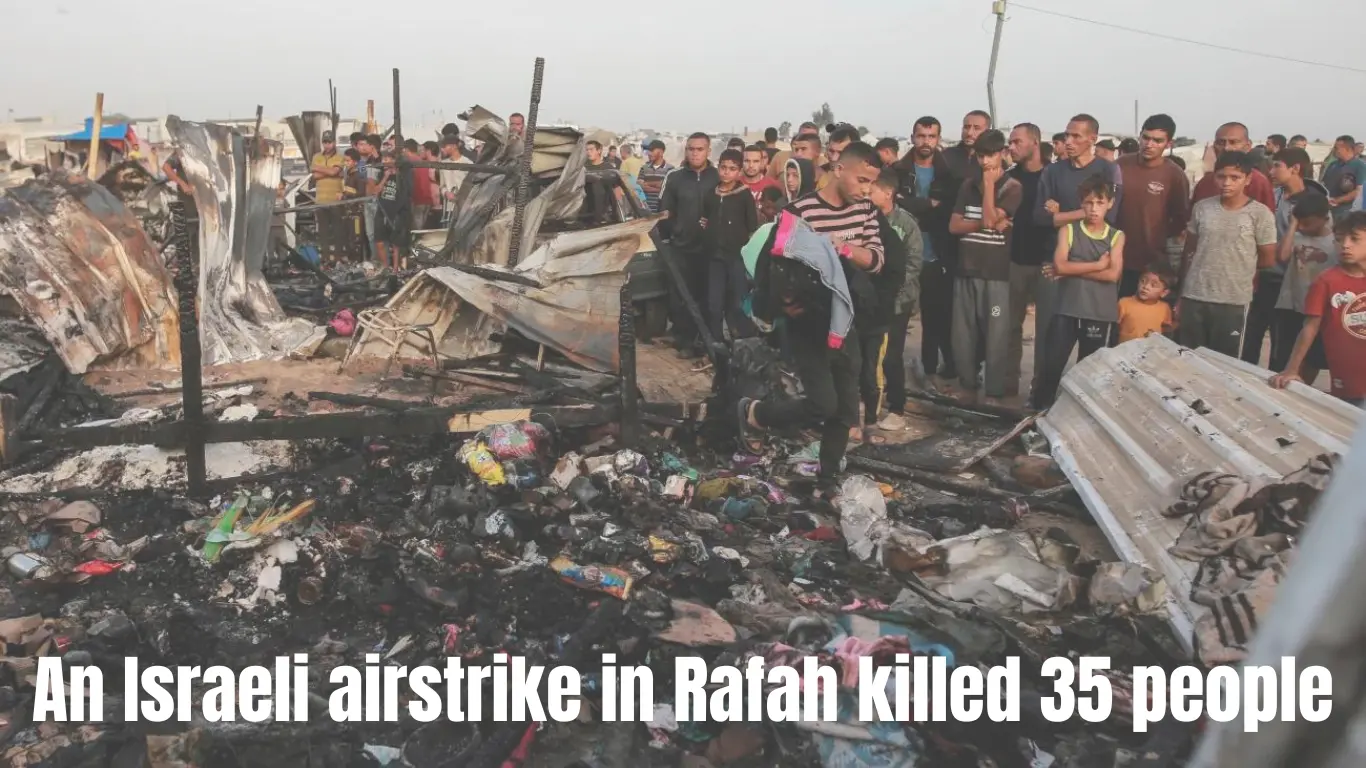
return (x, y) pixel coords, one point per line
(1132, 423)
(84, 272)
(234, 191)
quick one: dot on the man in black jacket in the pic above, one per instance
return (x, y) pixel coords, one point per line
(683, 202)
(929, 189)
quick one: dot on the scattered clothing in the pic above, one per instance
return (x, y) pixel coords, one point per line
(1241, 531)
(795, 240)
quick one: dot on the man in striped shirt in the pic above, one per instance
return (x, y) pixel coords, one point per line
(981, 294)
(829, 376)
(652, 174)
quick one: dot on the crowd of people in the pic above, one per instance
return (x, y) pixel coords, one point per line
(829, 248)
(396, 197)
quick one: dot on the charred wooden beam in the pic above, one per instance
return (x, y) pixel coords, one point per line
(415, 421)
(524, 172)
(626, 354)
(191, 372)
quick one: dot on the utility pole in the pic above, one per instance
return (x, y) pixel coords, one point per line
(998, 7)
(1136, 119)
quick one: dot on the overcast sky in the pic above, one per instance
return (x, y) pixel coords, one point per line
(701, 64)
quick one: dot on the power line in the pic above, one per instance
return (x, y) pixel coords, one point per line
(1201, 43)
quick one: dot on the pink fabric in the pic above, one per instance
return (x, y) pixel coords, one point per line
(344, 323)
(787, 221)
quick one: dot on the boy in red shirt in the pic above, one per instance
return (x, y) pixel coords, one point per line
(1336, 308)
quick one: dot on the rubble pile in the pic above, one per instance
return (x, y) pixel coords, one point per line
(558, 546)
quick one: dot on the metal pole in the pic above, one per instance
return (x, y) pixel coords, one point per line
(999, 8)
(398, 120)
(1136, 118)
(256, 132)
(626, 351)
(332, 98)
(524, 175)
(96, 125)
(191, 375)
(370, 116)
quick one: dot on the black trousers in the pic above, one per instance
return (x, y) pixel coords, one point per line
(1261, 320)
(692, 264)
(894, 363)
(936, 317)
(1065, 333)
(830, 395)
(727, 284)
(872, 383)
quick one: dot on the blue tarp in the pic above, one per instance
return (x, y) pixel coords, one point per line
(108, 132)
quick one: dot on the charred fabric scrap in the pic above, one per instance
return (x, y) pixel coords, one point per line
(544, 540)
(234, 180)
(79, 267)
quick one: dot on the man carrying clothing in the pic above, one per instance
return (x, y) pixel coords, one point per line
(683, 201)
(827, 365)
(928, 192)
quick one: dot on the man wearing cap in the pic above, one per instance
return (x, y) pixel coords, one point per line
(328, 168)
(652, 174)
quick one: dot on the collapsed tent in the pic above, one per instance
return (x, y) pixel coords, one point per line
(481, 232)
(234, 191)
(82, 270)
(572, 306)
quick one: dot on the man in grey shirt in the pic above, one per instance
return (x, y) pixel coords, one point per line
(1059, 202)
(1229, 238)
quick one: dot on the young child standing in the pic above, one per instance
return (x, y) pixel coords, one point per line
(1147, 312)
(1087, 263)
(1307, 249)
(1228, 239)
(986, 206)
(1335, 308)
(904, 299)
(729, 217)
(395, 213)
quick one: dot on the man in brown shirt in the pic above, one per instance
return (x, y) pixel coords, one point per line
(1156, 205)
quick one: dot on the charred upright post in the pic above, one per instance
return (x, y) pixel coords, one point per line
(524, 176)
(626, 352)
(191, 375)
(398, 112)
